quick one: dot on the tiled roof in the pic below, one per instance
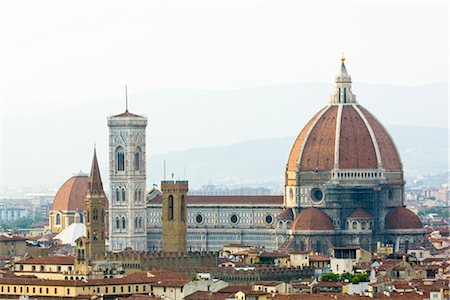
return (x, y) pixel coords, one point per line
(229, 200)
(286, 214)
(127, 114)
(72, 194)
(402, 218)
(312, 219)
(360, 213)
(314, 148)
(155, 278)
(13, 238)
(48, 260)
(318, 258)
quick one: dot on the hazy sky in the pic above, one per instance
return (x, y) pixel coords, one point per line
(59, 57)
(60, 54)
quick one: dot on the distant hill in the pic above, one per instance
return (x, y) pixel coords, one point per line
(45, 149)
(262, 162)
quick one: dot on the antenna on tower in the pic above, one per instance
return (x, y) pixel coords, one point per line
(126, 98)
(164, 170)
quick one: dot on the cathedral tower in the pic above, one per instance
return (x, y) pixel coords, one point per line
(96, 203)
(127, 175)
(174, 215)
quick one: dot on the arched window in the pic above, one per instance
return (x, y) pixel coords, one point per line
(183, 211)
(117, 195)
(135, 222)
(58, 219)
(319, 246)
(117, 222)
(123, 196)
(137, 159)
(354, 226)
(95, 214)
(170, 212)
(140, 223)
(120, 159)
(363, 226)
(124, 223)
(81, 218)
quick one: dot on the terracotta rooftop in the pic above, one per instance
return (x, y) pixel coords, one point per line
(127, 114)
(48, 260)
(402, 218)
(286, 214)
(312, 219)
(229, 200)
(360, 213)
(72, 194)
(316, 257)
(155, 278)
(13, 238)
(314, 148)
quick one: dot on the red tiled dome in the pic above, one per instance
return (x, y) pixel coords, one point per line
(72, 194)
(312, 219)
(402, 218)
(360, 213)
(286, 214)
(360, 143)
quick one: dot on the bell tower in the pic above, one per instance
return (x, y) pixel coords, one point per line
(96, 204)
(127, 176)
(174, 215)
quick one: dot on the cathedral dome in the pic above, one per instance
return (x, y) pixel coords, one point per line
(72, 194)
(402, 218)
(343, 135)
(312, 219)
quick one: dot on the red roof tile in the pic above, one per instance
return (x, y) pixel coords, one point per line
(72, 194)
(312, 219)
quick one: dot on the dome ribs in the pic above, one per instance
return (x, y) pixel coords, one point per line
(298, 144)
(356, 147)
(318, 151)
(390, 158)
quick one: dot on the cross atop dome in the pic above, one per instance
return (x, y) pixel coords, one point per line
(343, 87)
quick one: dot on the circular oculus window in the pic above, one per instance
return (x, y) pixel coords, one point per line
(234, 219)
(269, 219)
(199, 219)
(317, 194)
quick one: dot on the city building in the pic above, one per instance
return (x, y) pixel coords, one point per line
(344, 186)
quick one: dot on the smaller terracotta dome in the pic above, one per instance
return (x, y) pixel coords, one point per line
(360, 213)
(286, 214)
(312, 219)
(402, 218)
(72, 194)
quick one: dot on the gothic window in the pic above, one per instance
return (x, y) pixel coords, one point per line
(117, 195)
(124, 223)
(319, 246)
(58, 219)
(136, 223)
(120, 159)
(117, 223)
(123, 196)
(363, 226)
(81, 218)
(170, 212)
(140, 222)
(137, 159)
(183, 212)
(95, 214)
